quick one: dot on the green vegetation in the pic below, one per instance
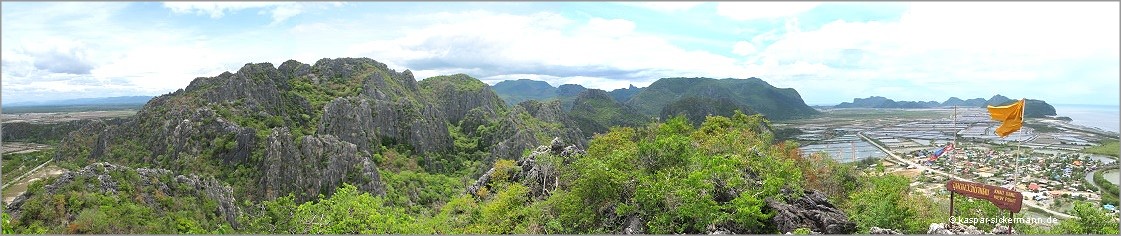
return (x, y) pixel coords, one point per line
(886, 202)
(80, 207)
(696, 169)
(1091, 220)
(517, 91)
(594, 111)
(1108, 190)
(676, 176)
(759, 96)
(696, 109)
(1109, 148)
(20, 163)
(458, 82)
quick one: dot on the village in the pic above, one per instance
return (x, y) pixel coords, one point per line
(1046, 167)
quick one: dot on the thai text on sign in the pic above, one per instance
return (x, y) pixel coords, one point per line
(1001, 197)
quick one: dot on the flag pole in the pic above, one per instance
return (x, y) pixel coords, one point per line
(1020, 143)
(955, 143)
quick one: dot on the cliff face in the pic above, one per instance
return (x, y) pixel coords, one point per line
(458, 94)
(529, 124)
(317, 164)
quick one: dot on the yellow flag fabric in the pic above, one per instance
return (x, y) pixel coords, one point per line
(1010, 116)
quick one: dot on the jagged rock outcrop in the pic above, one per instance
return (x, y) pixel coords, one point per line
(105, 178)
(513, 135)
(258, 87)
(317, 164)
(528, 124)
(388, 110)
(962, 229)
(878, 230)
(953, 228)
(540, 177)
(553, 112)
(633, 225)
(812, 210)
(457, 94)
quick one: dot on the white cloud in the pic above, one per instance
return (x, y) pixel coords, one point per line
(979, 51)
(485, 44)
(762, 10)
(71, 50)
(1056, 50)
(665, 6)
(279, 11)
(743, 48)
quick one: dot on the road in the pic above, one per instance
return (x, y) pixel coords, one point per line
(18, 187)
(26, 174)
(939, 172)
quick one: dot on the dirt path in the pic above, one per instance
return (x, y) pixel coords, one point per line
(15, 189)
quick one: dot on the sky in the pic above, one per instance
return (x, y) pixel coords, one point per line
(1064, 53)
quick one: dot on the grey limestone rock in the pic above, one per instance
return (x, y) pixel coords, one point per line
(812, 210)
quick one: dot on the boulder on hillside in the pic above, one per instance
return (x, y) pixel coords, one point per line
(812, 210)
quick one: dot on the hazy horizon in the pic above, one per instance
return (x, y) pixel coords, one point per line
(1063, 53)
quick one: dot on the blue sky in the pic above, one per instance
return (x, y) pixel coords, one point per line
(1065, 53)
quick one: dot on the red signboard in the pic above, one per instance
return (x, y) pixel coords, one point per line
(1003, 198)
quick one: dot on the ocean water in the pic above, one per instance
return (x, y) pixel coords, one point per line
(1106, 117)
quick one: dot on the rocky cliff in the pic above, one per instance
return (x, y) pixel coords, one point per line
(316, 164)
(458, 94)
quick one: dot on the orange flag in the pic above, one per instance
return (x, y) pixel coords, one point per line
(1010, 116)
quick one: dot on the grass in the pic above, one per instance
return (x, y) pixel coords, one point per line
(1109, 148)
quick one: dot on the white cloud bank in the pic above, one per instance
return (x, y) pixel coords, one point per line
(1055, 51)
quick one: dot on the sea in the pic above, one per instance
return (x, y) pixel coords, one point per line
(1105, 117)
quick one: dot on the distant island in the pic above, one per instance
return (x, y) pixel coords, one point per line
(1035, 108)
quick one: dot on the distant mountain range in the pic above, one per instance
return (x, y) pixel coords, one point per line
(517, 91)
(1035, 108)
(123, 100)
(693, 97)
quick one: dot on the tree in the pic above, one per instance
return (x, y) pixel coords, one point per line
(1091, 220)
(878, 204)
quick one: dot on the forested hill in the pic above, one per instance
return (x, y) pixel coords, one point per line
(752, 93)
(692, 97)
(517, 91)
